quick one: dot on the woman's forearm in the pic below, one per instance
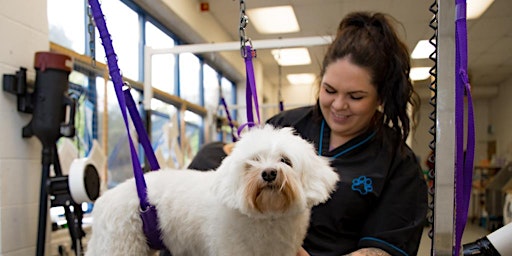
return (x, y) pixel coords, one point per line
(360, 252)
(369, 252)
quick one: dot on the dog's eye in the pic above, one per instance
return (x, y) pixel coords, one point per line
(252, 161)
(286, 161)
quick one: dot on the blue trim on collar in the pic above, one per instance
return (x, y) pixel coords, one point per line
(386, 243)
(321, 144)
(344, 151)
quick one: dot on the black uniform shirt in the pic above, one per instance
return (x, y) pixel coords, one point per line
(381, 199)
(208, 157)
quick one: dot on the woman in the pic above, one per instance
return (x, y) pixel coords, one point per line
(361, 123)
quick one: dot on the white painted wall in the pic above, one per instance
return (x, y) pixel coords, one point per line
(501, 120)
(293, 96)
(482, 121)
(24, 30)
(296, 95)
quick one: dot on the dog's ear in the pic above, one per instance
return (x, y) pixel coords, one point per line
(319, 180)
(225, 186)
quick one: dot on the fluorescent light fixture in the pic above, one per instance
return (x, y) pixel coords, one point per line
(475, 8)
(422, 50)
(292, 56)
(301, 79)
(273, 20)
(419, 73)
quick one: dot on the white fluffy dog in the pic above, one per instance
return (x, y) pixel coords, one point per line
(256, 203)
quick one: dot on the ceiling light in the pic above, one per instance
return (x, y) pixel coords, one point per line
(272, 20)
(475, 8)
(292, 56)
(422, 50)
(419, 73)
(301, 79)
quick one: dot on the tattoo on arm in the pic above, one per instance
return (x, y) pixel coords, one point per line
(369, 252)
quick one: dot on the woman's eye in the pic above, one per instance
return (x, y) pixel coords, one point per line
(356, 96)
(330, 91)
(286, 161)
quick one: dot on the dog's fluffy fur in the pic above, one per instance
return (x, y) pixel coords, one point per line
(256, 203)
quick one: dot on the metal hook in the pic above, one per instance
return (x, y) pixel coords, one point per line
(126, 86)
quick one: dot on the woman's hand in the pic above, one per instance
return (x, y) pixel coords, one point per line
(302, 252)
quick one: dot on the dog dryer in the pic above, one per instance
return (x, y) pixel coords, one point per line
(495, 244)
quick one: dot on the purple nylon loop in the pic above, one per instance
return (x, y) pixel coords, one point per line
(464, 158)
(141, 131)
(251, 95)
(242, 127)
(149, 221)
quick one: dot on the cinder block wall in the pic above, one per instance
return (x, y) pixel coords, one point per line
(24, 30)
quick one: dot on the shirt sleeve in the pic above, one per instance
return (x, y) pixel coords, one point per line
(396, 224)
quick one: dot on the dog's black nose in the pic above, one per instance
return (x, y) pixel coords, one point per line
(269, 175)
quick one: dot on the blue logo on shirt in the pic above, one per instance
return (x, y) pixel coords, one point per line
(363, 185)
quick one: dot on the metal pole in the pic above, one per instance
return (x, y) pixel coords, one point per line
(257, 44)
(443, 239)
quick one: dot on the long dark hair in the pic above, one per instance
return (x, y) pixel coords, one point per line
(370, 41)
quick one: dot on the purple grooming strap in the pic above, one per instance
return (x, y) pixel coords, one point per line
(230, 120)
(464, 158)
(149, 222)
(251, 95)
(141, 131)
(148, 212)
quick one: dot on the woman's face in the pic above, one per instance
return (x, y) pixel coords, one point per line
(348, 99)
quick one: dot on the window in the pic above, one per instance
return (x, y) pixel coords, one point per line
(84, 114)
(165, 134)
(119, 156)
(123, 25)
(189, 77)
(98, 115)
(162, 65)
(193, 134)
(228, 91)
(64, 26)
(156, 38)
(211, 88)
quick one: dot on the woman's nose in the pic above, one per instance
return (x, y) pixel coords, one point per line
(339, 103)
